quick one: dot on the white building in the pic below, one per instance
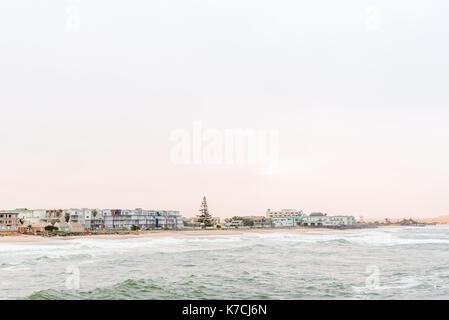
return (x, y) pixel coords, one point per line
(279, 222)
(314, 219)
(85, 218)
(318, 219)
(285, 217)
(234, 224)
(82, 216)
(125, 219)
(75, 214)
(284, 213)
(337, 221)
(39, 214)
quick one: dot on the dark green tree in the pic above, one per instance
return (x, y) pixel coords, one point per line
(51, 228)
(205, 219)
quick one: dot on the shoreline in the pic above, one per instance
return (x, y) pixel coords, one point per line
(25, 238)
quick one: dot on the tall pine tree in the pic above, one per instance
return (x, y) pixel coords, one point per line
(204, 218)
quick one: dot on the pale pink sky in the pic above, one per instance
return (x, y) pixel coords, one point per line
(357, 93)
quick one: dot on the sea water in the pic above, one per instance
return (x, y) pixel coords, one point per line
(381, 263)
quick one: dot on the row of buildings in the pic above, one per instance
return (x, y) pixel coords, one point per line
(291, 218)
(80, 220)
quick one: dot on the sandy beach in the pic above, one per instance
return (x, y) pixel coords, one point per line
(157, 233)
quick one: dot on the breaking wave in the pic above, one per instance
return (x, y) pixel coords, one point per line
(289, 264)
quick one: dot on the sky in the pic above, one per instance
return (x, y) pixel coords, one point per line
(94, 95)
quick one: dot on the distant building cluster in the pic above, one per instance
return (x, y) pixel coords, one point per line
(77, 220)
(81, 220)
(291, 218)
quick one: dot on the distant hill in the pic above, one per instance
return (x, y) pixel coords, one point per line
(441, 220)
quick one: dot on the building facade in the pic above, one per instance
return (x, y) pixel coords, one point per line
(338, 221)
(144, 219)
(262, 222)
(318, 219)
(283, 222)
(249, 221)
(235, 223)
(285, 217)
(9, 221)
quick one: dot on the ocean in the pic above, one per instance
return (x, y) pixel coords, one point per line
(381, 263)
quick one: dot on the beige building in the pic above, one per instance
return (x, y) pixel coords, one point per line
(9, 221)
(285, 217)
(214, 220)
(284, 213)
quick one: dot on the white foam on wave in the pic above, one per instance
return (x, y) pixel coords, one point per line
(82, 248)
(65, 249)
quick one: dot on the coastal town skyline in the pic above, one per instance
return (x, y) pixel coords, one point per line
(441, 218)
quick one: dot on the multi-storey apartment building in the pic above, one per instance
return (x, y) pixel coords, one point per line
(285, 217)
(125, 219)
(9, 221)
(284, 213)
(31, 216)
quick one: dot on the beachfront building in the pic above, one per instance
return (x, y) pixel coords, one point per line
(318, 219)
(248, 221)
(74, 214)
(52, 216)
(338, 221)
(85, 218)
(90, 219)
(234, 223)
(285, 217)
(9, 221)
(283, 213)
(262, 222)
(36, 220)
(62, 226)
(97, 223)
(30, 220)
(82, 216)
(315, 219)
(145, 219)
(97, 218)
(283, 222)
(69, 226)
(31, 216)
(31, 226)
(23, 213)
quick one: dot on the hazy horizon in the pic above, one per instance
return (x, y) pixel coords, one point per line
(93, 93)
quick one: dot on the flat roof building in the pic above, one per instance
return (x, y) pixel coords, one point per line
(9, 221)
(126, 219)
